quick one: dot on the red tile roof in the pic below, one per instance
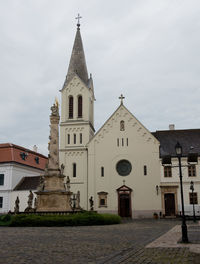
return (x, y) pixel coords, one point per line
(14, 153)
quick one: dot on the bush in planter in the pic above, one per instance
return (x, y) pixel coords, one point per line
(81, 219)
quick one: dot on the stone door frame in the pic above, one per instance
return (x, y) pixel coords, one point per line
(169, 189)
(127, 191)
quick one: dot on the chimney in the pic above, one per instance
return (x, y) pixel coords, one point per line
(35, 148)
(171, 127)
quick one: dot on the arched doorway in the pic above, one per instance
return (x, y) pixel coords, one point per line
(169, 204)
(124, 201)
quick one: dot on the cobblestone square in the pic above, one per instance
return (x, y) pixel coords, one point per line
(124, 243)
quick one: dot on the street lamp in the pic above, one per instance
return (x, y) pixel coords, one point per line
(178, 149)
(192, 189)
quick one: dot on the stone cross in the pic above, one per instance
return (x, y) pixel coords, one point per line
(123, 182)
(121, 98)
(78, 18)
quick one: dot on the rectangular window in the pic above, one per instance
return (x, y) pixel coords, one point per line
(74, 170)
(1, 202)
(191, 170)
(122, 142)
(127, 142)
(102, 199)
(68, 138)
(145, 170)
(102, 171)
(118, 142)
(102, 202)
(1, 179)
(167, 171)
(74, 138)
(193, 198)
(81, 138)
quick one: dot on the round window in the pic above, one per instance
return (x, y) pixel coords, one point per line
(123, 167)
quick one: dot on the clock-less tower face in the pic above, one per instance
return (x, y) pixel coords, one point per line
(123, 167)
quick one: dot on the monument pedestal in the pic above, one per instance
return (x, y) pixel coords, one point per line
(53, 201)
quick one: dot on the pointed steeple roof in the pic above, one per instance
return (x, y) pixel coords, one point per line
(77, 63)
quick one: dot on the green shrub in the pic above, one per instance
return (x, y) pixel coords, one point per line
(80, 219)
(5, 220)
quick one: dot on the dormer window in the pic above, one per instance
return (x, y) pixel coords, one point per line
(37, 160)
(80, 106)
(24, 155)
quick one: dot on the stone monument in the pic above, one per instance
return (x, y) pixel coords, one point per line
(52, 195)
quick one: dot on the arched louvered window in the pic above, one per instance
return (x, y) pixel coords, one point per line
(80, 106)
(71, 105)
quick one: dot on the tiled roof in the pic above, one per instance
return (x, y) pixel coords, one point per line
(189, 139)
(28, 183)
(14, 153)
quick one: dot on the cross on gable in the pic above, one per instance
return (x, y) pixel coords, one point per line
(78, 18)
(121, 98)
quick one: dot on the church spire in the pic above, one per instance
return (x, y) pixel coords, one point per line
(77, 62)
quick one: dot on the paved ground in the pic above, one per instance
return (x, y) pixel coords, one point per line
(130, 242)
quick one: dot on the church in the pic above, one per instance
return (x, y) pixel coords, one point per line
(121, 167)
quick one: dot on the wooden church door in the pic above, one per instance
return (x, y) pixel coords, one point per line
(124, 201)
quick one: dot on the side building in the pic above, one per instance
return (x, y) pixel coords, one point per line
(169, 187)
(16, 162)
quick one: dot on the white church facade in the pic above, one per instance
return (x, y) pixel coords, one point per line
(122, 166)
(119, 166)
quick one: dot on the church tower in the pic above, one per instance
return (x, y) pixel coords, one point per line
(77, 118)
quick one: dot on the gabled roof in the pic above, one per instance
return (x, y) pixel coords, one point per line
(77, 62)
(28, 183)
(122, 105)
(188, 138)
(14, 153)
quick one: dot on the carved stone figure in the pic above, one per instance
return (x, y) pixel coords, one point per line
(16, 209)
(68, 184)
(62, 167)
(41, 185)
(78, 200)
(74, 201)
(54, 110)
(91, 204)
(35, 203)
(30, 199)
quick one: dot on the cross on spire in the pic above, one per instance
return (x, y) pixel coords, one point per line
(78, 22)
(121, 98)
(123, 182)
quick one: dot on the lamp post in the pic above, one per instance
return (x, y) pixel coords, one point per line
(178, 149)
(192, 189)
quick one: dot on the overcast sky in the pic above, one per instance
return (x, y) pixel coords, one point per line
(147, 50)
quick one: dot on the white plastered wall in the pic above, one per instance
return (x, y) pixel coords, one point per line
(13, 173)
(175, 180)
(142, 149)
